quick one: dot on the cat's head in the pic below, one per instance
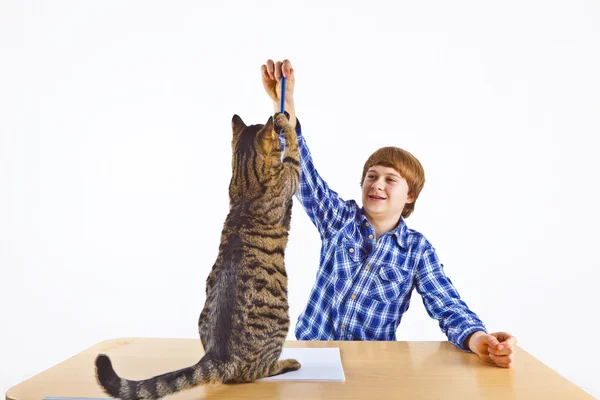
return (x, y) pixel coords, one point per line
(259, 139)
(256, 160)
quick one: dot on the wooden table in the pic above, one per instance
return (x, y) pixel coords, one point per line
(374, 371)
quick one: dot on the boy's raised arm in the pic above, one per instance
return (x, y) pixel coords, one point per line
(324, 207)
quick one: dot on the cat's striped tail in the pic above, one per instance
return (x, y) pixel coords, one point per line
(206, 371)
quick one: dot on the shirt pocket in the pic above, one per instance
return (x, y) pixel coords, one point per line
(348, 260)
(389, 284)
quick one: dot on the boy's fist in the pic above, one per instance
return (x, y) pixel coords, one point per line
(497, 347)
(271, 78)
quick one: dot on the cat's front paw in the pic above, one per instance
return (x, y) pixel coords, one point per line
(282, 121)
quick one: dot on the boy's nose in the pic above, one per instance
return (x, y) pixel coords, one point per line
(377, 185)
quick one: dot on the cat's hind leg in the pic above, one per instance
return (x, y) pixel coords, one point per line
(283, 366)
(202, 329)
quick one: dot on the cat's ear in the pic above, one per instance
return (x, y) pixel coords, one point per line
(237, 125)
(266, 137)
(268, 131)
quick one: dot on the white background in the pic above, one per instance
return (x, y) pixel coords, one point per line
(115, 158)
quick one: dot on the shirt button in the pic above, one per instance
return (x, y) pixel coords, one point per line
(343, 326)
(368, 267)
(370, 236)
(353, 296)
(351, 250)
(366, 224)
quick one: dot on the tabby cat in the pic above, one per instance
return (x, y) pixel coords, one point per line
(245, 320)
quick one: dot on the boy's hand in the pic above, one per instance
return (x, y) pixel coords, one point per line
(271, 78)
(497, 347)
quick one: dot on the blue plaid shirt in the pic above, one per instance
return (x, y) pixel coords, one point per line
(363, 285)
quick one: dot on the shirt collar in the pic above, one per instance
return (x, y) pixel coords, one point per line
(400, 232)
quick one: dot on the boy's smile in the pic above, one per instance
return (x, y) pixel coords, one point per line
(384, 193)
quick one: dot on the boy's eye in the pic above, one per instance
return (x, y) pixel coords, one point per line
(370, 176)
(391, 180)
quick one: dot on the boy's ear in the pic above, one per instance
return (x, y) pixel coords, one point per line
(410, 198)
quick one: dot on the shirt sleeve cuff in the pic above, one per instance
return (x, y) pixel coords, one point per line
(298, 127)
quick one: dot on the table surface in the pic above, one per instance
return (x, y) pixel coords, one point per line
(373, 370)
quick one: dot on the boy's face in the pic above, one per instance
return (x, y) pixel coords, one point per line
(384, 192)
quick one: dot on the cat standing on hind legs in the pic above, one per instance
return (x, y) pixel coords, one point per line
(245, 319)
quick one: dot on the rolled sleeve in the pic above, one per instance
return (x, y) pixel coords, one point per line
(443, 303)
(325, 208)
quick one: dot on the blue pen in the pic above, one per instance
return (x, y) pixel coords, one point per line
(281, 107)
(282, 94)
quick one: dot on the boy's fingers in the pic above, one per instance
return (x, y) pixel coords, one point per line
(286, 69)
(485, 357)
(271, 69)
(506, 340)
(500, 352)
(263, 71)
(278, 70)
(510, 342)
(503, 336)
(502, 361)
(492, 341)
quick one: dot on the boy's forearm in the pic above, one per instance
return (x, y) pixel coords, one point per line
(290, 108)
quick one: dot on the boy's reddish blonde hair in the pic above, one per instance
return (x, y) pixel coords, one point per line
(406, 165)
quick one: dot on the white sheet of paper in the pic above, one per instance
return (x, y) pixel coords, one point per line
(316, 365)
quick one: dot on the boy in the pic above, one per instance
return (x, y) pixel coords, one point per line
(370, 260)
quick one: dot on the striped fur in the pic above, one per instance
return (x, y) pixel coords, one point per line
(245, 319)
